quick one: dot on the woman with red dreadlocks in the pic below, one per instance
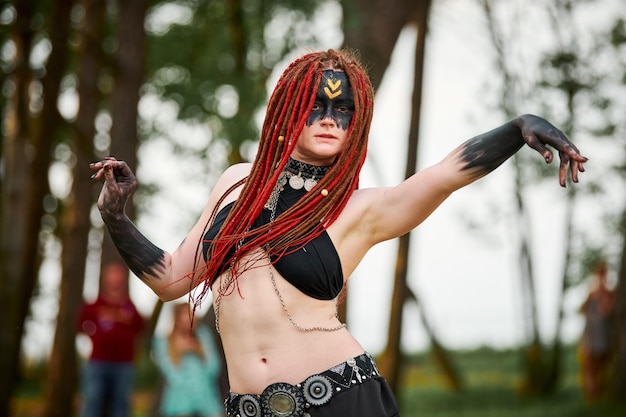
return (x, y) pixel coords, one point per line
(279, 237)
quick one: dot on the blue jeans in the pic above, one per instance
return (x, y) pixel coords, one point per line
(107, 385)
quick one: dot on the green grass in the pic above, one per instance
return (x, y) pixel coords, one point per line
(491, 381)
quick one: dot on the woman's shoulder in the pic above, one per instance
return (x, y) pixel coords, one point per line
(236, 172)
(230, 177)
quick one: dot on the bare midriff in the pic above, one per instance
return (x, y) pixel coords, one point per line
(262, 346)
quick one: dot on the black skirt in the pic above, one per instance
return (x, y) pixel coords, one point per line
(370, 399)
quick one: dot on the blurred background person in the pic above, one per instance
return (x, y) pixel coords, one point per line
(595, 343)
(190, 365)
(113, 324)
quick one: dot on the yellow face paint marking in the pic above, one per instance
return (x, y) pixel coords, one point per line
(334, 90)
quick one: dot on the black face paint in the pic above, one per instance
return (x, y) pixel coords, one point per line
(334, 100)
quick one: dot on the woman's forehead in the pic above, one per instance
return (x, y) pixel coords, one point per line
(334, 83)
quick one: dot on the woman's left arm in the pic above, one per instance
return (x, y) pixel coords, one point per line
(397, 210)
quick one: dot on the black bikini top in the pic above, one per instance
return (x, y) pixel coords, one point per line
(314, 269)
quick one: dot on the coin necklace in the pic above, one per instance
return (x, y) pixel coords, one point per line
(298, 175)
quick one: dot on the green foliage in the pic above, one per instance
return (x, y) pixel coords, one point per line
(213, 58)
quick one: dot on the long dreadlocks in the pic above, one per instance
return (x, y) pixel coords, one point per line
(287, 111)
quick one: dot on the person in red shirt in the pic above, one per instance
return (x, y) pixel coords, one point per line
(113, 324)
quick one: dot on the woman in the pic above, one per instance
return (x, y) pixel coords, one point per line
(279, 238)
(190, 367)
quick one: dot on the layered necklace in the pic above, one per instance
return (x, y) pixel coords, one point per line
(297, 175)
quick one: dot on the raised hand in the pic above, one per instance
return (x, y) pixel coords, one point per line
(144, 258)
(538, 132)
(119, 185)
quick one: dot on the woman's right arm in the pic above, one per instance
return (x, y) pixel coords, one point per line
(168, 275)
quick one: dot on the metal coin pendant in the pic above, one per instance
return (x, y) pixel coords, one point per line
(309, 183)
(296, 182)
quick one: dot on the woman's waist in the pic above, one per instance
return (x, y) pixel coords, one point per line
(255, 364)
(282, 398)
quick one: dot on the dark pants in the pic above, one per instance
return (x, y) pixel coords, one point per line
(107, 385)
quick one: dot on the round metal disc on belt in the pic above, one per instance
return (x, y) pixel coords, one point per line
(317, 390)
(249, 406)
(282, 400)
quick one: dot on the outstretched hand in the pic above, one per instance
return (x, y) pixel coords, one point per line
(538, 132)
(119, 184)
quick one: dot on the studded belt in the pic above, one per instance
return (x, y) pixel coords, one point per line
(285, 400)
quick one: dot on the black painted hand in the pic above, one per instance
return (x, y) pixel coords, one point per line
(119, 185)
(538, 132)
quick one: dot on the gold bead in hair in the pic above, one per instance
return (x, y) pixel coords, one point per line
(324, 192)
(281, 138)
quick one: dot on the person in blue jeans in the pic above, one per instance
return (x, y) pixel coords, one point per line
(113, 324)
(190, 365)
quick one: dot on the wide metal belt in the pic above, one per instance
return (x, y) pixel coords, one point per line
(285, 400)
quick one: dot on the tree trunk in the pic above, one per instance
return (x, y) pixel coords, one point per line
(391, 360)
(75, 224)
(129, 61)
(25, 182)
(533, 352)
(372, 27)
(554, 371)
(439, 352)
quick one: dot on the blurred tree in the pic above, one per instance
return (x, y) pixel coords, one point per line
(570, 85)
(617, 43)
(31, 124)
(511, 98)
(220, 53)
(375, 38)
(75, 209)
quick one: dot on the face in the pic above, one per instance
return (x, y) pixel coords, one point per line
(326, 130)
(114, 281)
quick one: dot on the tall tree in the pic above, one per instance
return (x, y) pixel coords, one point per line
(509, 100)
(15, 202)
(126, 70)
(75, 222)
(376, 37)
(34, 125)
(617, 41)
(570, 85)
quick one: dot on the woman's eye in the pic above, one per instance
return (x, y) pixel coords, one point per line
(316, 107)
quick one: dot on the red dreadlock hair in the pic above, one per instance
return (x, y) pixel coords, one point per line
(287, 111)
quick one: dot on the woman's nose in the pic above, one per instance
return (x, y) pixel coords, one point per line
(328, 119)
